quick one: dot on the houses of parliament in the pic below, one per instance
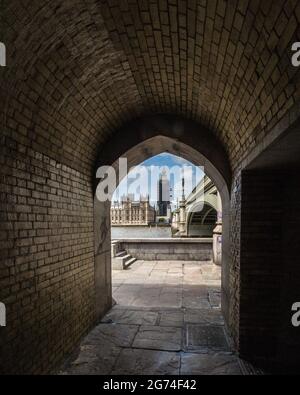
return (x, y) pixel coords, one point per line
(130, 212)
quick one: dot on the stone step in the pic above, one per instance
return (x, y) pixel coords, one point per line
(120, 254)
(122, 262)
(130, 262)
(117, 263)
(125, 258)
(115, 248)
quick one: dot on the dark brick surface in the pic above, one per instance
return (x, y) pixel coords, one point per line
(47, 259)
(77, 72)
(269, 270)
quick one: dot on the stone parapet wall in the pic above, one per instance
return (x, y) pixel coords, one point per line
(169, 249)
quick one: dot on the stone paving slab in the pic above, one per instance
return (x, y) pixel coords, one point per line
(212, 364)
(150, 301)
(195, 291)
(196, 302)
(171, 318)
(159, 338)
(166, 321)
(205, 317)
(94, 360)
(112, 335)
(147, 362)
(135, 317)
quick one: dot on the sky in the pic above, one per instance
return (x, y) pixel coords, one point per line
(143, 179)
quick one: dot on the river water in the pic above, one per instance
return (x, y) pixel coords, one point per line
(140, 232)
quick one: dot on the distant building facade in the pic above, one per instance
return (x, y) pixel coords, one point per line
(130, 212)
(163, 198)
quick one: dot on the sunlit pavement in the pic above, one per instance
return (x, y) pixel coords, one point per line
(167, 320)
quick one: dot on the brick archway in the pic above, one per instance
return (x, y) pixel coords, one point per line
(79, 70)
(140, 140)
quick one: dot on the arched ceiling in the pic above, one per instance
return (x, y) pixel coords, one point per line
(77, 70)
(146, 137)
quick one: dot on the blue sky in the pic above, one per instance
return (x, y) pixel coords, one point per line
(143, 179)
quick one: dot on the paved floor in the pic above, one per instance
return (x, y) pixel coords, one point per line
(166, 320)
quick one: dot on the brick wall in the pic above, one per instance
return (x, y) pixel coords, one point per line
(225, 64)
(269, 269)
(46, 259)
(289, 340)
(260, 264)
(78, 71)
(234, 269)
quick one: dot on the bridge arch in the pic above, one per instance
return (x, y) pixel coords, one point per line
(205, 215)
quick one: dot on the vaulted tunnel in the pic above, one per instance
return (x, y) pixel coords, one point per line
(87, 81)
(142, 139)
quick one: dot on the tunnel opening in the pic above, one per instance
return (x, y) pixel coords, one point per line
(135, 299)
(150, 136)
(162, 281)
(83, 83)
